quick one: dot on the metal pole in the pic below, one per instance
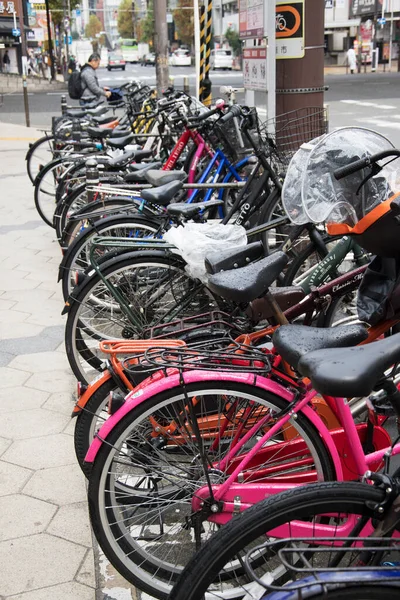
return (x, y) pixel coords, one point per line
(391, 35)
(51, 56)
(202, 50)
(221, 24)
(24, 56)
(197, 44)
(270, 30)
(207, 95)
(161, 44)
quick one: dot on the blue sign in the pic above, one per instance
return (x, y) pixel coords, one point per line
(69, 40)
(78, 12)
(16, 32)
(382, 21)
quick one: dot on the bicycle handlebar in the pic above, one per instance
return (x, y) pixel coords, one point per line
(234, 111)
(364, 162)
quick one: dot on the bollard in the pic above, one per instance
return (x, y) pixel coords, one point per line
(92, 177)
(171, 81)
(186, 88)
(26, 103)
(63, 105)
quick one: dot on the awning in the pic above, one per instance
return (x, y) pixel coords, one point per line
(7, 25)
(342, 24)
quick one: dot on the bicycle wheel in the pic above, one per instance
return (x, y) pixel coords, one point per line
(157, 290)
(40, 153)
(77, 260)
(146, 473)
(271, 210)
(338, 507)
(45, 189)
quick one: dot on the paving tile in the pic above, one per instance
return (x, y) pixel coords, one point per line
(41, 452)
(31, 344)
(36, 296)
(86, 573)
(64, 591)
(9, 274)
(4, 444)
(44, 318)
(50, 381)
(17, 330)
(6, 304)
(21, 516)
(59, 485)
(36, 553)
(60, 402)
(5, 358)
(39, 362)
(31, 423)
(12, 377)
(13, 316)
(12, 478)
(18, 284)
(70, 428)
(72, 523)
(21, 398)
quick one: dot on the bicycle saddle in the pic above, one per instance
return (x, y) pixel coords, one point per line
(353, 371)
(138, 175)
(233, 259)
(139, 167)
(160, 177)
(162, 195)
(122, 160)
(295, 341)
(120, 142)
(99, 132)
(104, 120)
(116, 133)
(188, 211)
(250, 282)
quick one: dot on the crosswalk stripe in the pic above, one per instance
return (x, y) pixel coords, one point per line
(370, 104)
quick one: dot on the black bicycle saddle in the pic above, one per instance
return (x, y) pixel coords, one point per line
(99, 132)
(352, 371)
(120, 142)
(295, 341)
(190, 210)
(162, 195)
(233, 258)
(248, 283)
(159, 177)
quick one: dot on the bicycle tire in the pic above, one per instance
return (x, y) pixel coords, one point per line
(104, 226)
(40, 194)
(147, 569)
(85, 424)
(360, 592)
(76, 326)
(299, 261)
(272, 209)
(301, 503)
(43, 141)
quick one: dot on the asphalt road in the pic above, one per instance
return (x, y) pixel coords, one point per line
(368, 100)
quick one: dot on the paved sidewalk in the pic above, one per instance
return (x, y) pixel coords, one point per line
(45, 537)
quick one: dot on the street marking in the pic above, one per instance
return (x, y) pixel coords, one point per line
(372, 104)
(379, 123)
(56, 93)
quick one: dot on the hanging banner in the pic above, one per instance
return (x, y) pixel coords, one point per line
(289, 26)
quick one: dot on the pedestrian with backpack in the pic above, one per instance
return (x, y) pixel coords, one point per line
(84, 86)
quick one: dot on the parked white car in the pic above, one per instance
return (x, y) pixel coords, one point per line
(221, 59)
(180, 58)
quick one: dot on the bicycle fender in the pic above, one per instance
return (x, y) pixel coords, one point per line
(135, 398)
(93, 387)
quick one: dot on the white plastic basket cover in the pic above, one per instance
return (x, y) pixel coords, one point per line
(291, 190)
(323, 198)
(195, 241)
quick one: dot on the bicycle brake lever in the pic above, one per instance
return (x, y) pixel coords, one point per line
(375, 169)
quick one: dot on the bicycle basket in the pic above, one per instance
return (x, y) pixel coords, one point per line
(307, 564)
(291, 130)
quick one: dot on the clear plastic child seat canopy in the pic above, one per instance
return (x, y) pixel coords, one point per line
(312, 194)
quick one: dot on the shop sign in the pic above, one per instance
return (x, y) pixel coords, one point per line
(289, 29)
(7, 9)
(251, 19)
(255, 69)
(359, 8)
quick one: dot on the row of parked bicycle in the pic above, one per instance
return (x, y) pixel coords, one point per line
(237, 427)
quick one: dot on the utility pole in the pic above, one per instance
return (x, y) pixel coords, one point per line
(24, 58)
(51, 55)
(300, 81)
(161, 45)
